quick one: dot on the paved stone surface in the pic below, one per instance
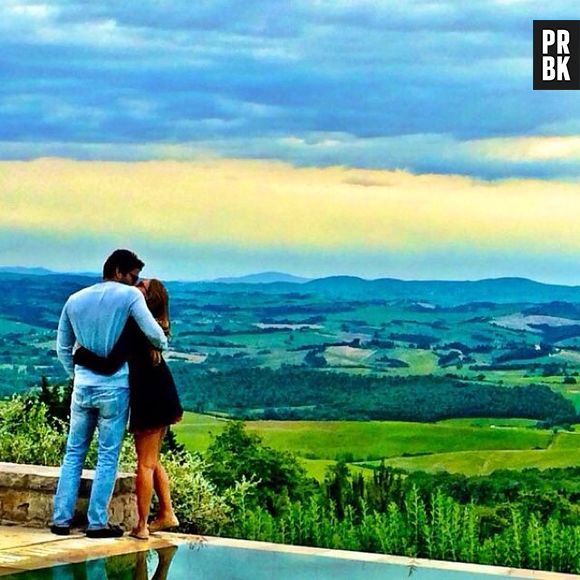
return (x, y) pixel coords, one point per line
(14, 537)
(30, 549)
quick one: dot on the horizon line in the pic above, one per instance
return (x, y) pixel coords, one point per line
(233, 278)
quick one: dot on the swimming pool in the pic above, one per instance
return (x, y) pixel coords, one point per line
(238, 560)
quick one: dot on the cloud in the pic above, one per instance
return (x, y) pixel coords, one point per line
(203, 219)
(256, 205)
(247, 76)
(530, 149)
(421, 153)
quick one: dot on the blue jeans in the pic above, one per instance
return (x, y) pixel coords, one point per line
(106, 409)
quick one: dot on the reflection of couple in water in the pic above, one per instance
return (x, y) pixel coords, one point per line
(164, 557)
(133, 566)
(110, 338)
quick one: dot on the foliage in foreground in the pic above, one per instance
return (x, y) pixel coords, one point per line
(247, 490)
(439, 528)
(277, 478)
(33, 430)
(26, 434)
(491, 520)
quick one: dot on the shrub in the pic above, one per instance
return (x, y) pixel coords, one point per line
(28, 436)
(237, 456)
(30, 433)
(197, 504)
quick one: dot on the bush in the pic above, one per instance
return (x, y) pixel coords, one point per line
(27, 435)
(237, 456)
(196, 502)
(30, 433)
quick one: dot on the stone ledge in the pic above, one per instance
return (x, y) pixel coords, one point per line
(45, 478)
(26, 496)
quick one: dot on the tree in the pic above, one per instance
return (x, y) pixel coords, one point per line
(315, 359)
(338, 487)
(236, 454)
(57, 399)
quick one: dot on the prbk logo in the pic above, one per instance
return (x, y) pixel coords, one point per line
(556, 55)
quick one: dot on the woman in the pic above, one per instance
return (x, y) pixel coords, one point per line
(154, 405)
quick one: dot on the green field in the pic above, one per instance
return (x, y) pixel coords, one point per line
(195, 431)
(484, 462)
(477, 340)
(10, 326)
(566, 441)
(467, 446)
(317, 467)
(488, 422)
(573, 395)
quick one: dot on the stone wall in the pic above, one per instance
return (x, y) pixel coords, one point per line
(26, 495)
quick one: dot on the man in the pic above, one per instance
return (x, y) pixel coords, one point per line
(94, 318)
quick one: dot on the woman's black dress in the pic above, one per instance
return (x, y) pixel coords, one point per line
(154, 401)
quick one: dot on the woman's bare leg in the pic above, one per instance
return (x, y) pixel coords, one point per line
(147, 445)
(166, 517)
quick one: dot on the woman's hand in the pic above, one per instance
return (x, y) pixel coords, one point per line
(155, 356)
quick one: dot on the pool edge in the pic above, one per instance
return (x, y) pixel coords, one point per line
(44, 550)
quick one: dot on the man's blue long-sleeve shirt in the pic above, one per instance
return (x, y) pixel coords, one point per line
(94, 317)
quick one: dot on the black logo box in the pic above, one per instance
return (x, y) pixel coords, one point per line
(540, 51)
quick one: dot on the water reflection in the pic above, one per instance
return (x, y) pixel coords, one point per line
(146, 565)
(201, 561)
(164, 559)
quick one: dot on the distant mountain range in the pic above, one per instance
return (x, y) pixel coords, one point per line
(426, 292)
(263, 278)
(436, 292)
(23, 270)
(498, 290)
(259, 278)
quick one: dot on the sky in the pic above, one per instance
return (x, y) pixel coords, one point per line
(222, 138)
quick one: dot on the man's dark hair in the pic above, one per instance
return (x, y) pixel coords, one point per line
(123, 260)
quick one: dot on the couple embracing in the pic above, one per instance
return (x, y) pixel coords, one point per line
(110, 337)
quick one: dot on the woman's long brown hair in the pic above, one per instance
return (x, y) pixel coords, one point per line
(157, 299)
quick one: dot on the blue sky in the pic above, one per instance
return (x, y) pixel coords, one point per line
(424, 87)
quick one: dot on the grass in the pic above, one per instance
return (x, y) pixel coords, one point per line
(317, 467)
(571, 392)
(566, 441)
(376, 439)
(10, 326)
(488, 422)
(463, 445)
(346, 356)
(422, 362)
(484, 462)
(278, 357)
(195, 431)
